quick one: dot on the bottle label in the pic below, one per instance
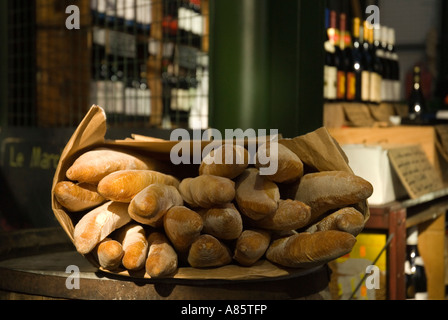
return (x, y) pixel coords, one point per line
(365, 86)
(396, 91)
(351, 86)
(375, 87)
(330, 82)
(341, 85)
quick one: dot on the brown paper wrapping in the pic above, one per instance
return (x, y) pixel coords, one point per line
(318, 150)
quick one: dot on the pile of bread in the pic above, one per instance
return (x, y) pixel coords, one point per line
(130, 214)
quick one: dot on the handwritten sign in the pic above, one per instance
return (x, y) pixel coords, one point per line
(359, 115)
(415, 171)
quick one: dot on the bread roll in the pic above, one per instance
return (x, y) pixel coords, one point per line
(109, 253)
(122, 186)
(257, 197)
(289, 165)
(347, 219)
(182, 226)
(207, 191)
(207, 251)
(328, 190)
(150, 205)
(251, 246)
(96, 225)
(305, 250)
(223, 222)
(77, 197)
(227, 161)
(94, 165)
(290, 215)
(162, 259)
(135, 246)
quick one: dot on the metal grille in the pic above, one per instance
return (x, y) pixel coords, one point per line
(144, 61)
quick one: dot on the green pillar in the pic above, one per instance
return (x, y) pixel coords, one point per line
(266, 65)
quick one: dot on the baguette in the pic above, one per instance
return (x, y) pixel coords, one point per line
(109, 253)
(257, 197)
(122, 186)
(305, 250)
(94, 165)
(135, 246)
(347, 219)
(251, 246)
(96, 225)
(182, 226)
(206, 191)
(290, 215)
(77, 197)
(289, 165)
(162, 259)
(328, 190)
(223, 222)
(150, 205)
(227, 161)
(207, 251)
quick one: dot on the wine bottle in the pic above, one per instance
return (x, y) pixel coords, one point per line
(414, 268)
(384, 55)
(377, 67)
(366, 63)
(417, 103)
(343, 63)
(357, 61)
(395, 74)
(330, 69)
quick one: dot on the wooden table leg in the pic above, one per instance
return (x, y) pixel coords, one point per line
(397, 255)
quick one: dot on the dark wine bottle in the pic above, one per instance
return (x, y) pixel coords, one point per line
(357, 61)
(416, 103)
(377, 66)
(366, 64)
(340, 52)
(395, 69)
(384, 55)
(414, 268)
(330, 69)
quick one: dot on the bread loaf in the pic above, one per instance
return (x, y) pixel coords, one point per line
(328, 190)
(227, 161)
(206, 191)
(182, 226)
(98, 224)
(162, 259)
(305, 250)
(122, 186)
(257, 197)
(109, 253)
(135, 246)
(290, 215)
(150, 205)
(347, 219)
(289, 165)
(94, 165)
(223, 222)
(207, 251)
(77, 197)
(251, 246)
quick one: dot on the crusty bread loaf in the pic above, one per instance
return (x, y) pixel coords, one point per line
(290, 215)
(289, 165)
(227, 161)
(223, 222)
(122, 186)
(251, 246)
(182, 226)
(97, 224)
(207, 251)
(77, 197)
(346, 219)
(305, 250)
(109, 253)
(135, 246)
(94, 165)
(328, 190)
(257, 197)
(206, 191)
(162, 259)
(150, 205)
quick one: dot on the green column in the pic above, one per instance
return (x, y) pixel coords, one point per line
(266, 65)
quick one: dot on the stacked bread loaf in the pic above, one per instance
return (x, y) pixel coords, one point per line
(132, 214)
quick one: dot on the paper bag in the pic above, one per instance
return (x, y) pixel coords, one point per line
(318, 150)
